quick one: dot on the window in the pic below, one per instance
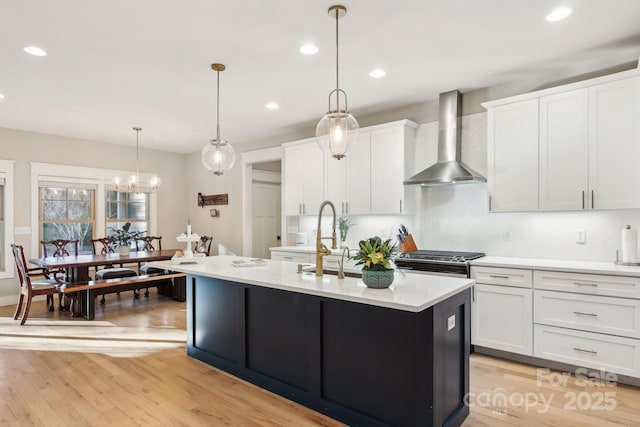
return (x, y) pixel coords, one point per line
(88, 189)
(67, 212)
(6, 218)
(122, 207)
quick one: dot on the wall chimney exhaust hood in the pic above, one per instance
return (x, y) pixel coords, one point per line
(449, 169)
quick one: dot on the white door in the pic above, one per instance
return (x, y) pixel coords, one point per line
(266, 218)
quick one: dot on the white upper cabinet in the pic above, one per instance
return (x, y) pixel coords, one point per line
(564, 157)
(512, 149)
(368, 180)
(348, 185)
(614, 144)
(387, 170)
(303, 178)
(572, 147)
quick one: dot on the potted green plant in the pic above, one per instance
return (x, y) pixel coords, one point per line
(124, 236)
(376, 256)
(344, 223)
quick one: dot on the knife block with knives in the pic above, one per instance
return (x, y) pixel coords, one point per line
(406, 242)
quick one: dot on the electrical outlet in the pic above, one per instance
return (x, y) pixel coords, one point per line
(581, 236)
(506, 236)
(451, 322)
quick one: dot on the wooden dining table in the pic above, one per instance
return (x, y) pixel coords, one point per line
(77, 266)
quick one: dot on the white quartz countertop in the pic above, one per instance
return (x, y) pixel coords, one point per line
(409, 291)
(574, 266)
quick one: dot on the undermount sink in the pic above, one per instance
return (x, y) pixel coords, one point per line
(334, 272)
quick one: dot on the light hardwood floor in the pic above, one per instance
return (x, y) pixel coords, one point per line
(129, 367)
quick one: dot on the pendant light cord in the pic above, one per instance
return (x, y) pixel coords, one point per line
(137, 129)
(337, 64)
(218, 110)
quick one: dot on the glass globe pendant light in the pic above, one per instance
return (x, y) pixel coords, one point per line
(218, 155)
(337, 132)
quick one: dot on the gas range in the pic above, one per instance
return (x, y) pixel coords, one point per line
(441, 262)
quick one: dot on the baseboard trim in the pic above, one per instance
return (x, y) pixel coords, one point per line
(544, 363)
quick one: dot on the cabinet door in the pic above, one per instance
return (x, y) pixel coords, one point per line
(293, 190)
(614, 144)
(564, 157)
(336, 174)
(501, 318)
(312, 178)
(512, 149)
(359, 177)
(387, 170)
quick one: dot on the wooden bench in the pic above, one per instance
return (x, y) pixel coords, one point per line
(84, 293)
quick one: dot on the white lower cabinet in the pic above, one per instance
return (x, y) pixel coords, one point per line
(588, 320)
(588, 349)
(501, 318)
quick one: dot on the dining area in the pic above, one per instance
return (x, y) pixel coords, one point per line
(78, 279)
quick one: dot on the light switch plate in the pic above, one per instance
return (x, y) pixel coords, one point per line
(451, 322)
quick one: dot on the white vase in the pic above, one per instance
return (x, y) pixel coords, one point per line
(124, 250)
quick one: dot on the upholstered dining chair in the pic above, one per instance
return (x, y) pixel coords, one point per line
(58, 248)
(149, 243)
(105, 246)
(30, 288)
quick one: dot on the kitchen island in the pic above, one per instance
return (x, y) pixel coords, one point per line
(397, 356)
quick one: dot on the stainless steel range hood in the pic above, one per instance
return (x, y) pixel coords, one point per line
(449, 169)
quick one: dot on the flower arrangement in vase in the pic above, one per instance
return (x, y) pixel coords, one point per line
(376, 256)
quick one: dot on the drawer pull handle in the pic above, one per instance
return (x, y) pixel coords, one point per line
(579, 313)
(287, 257)
(585, 351)
(493, 276)
(585, 284)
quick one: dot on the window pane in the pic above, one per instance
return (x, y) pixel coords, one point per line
(138, 197)
(49, 193)
(137, 211)
(54, 210)
(82, 231)
(79, 194)
(79, 210)
(116, 210)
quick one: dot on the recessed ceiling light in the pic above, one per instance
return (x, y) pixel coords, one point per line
(35, 50)
(377, 73)
(272, 106)
(309, 49)
(559, 13)
(1, 96)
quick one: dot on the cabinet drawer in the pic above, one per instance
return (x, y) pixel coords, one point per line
(615, 354)
(291, 256)
(614, 286)
(502, 276)
(616, 316)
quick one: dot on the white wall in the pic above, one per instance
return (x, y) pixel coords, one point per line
(25, 147)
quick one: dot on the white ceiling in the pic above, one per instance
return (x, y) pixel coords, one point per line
(116, 64)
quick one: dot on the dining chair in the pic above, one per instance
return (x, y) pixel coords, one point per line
(30, 288)
(106, 246)
(146, 243)
(58, 248)
(204, 245)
